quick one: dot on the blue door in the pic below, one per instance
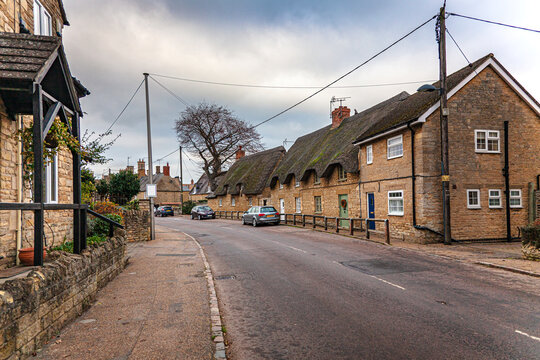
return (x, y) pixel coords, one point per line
(371, 210)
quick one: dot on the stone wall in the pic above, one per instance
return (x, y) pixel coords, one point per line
(34, 308)
(137, 222)
(538, 204)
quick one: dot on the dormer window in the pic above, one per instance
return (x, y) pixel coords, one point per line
(42, 20)
(316, 178)
(342, 175)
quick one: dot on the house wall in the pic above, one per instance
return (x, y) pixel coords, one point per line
(10, 11)
(329, 190)
(483, 104)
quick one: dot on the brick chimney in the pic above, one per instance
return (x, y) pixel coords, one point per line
(130, 169)
(339, 114)
(167, 170)
(158, 169)
(191, 181)
(141, 171)
(240, 153)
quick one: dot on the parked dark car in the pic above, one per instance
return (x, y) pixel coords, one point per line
(164, 211)
(257, 215)
(202, 212)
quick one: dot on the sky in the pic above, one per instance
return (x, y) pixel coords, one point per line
(111, 43)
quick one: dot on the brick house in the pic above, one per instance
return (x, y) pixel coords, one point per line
(245, 183)
(400, 157)
(32, 54)
(168, 187)
(319, 173)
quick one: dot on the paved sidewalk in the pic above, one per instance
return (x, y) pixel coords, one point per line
(157, 308)
(505, 256)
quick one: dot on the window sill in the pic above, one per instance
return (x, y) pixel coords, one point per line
(342, 180)
(495, 207)
(487, 152)
(396, 214)
(394, 157)
(516, 207)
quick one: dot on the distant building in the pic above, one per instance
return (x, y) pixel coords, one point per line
(168, 188)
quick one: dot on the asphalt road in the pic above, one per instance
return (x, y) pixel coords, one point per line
(289, 293)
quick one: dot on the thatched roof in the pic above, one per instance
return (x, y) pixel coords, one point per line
(416, 104)
(250, 173)
(321, 150)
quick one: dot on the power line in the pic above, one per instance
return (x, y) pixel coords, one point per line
(169, 154)
(170, 92)
(125, 107)
(461, 51)
(493, 22)
(288, 87)
(346, 74)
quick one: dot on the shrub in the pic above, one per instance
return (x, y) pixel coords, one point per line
(132, 205)
(530, 235)
(107, 207)
(67, 246)
(98, 227)
(187, 206)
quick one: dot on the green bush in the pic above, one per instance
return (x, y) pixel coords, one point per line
(67, 246)
(187, 206)
(101, 227)
(530, 235)
(132, 205)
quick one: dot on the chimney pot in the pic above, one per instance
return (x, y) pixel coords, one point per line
(158, 169)
(240, 153)
(167, 170)
(339, 114)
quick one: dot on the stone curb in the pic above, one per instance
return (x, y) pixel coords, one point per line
(508, 268)
(215, 315)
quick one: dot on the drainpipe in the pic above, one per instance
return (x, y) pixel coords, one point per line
(506, 172)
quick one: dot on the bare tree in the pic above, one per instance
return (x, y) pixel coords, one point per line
(214, 134)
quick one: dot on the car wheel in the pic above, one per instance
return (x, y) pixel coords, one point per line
(254, 223)
(243, 221)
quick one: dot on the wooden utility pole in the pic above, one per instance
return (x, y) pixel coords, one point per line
(181, 183)
(445, 171)
(150, 165)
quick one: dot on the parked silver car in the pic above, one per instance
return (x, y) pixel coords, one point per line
(257, 215)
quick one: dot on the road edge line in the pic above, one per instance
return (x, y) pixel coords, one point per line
(215, 315)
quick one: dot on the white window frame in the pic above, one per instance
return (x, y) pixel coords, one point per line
(492, 197)
(40, 16)
(395, 213)
(296, 183)
(250, 201)
(220, 202)
(298, 204)
(388, 146)
(369, 154)
(51, 188)
(316, 179)
(233, 201)
(514, 197)
(487, 138)
(342, 175)
(280, 186)
(473, 206)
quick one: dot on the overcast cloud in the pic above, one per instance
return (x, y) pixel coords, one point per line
(110, 43)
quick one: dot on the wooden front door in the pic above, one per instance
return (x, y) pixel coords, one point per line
(344, 210)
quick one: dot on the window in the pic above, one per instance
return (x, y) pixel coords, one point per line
(369, 154)
(280, 185)
(486, 141)
(515, 198)
(342, 175)
(220, 202)
(42, 20)
(316, 178)
(297, 183)
(395, 202)
(473, 199)
(395, 147)
(51, 180)
(250, 201)
(318, 204)
(494, 200)
(233, 201)
(298, 202)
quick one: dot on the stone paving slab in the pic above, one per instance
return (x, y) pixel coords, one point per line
(157, 308)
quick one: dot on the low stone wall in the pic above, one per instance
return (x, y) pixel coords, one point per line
(137, 225)
(34, 308)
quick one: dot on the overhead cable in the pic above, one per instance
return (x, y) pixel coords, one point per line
(494, 22)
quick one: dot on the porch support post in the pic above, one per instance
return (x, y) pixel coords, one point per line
(76, 188)
(39, 179)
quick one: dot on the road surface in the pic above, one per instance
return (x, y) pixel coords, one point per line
(290, 293)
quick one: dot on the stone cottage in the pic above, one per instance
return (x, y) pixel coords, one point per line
(34, 64)
(245, 183)
(400, 158)
(168, 188)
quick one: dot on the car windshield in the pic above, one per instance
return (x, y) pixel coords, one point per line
(268, 209)
(167, 208)
(205, 208)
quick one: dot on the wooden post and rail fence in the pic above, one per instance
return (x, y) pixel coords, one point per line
(350, 225)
